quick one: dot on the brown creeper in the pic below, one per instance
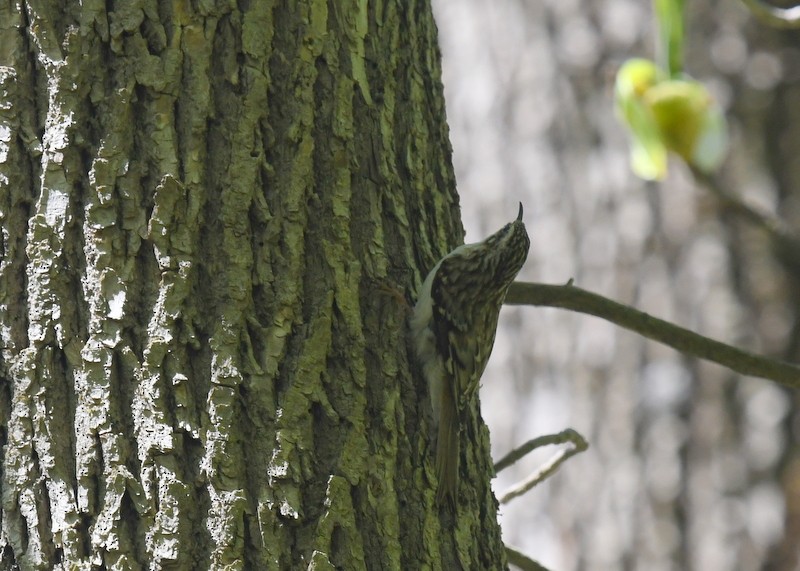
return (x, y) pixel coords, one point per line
(453, 327)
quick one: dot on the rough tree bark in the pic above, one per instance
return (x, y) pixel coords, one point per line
(207, 211)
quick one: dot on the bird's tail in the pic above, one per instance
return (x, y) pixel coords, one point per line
(447, 450)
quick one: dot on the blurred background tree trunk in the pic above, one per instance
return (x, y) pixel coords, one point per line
(205, 213)
(690, 466)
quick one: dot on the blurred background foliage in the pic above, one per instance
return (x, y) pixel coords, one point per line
(690, 466)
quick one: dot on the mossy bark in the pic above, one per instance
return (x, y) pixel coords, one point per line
(214, 219)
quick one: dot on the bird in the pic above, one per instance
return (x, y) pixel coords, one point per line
(453, 327)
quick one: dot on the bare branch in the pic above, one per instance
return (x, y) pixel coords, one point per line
(516, 557)
(566, 436)
(548, 469)
(683, 340)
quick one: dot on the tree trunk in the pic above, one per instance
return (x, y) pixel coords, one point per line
(214, 220)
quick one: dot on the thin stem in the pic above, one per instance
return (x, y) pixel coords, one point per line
(547, 469)
(576, 299)
(566, 436)
(784, 239)
(784, 18)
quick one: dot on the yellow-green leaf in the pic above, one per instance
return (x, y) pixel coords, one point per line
(648, 153)
(664, 115)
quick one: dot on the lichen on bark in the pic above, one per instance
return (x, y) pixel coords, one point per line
(203, 208)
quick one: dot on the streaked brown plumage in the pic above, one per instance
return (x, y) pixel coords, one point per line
(454, 325)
